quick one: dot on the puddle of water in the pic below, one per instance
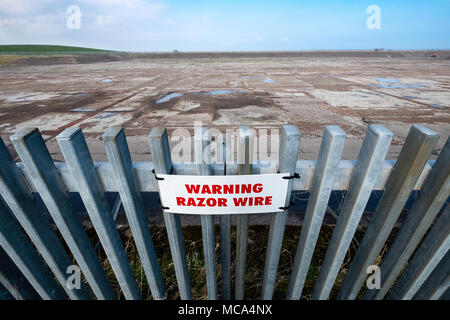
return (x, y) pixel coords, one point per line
(269, 81)
(409, 97)
(392, 83)
(35, 97)
(83, 109)
(370, 93)
(249, 77)
(106, 81)
(104, 115)
(78, 95)
(219, 92)
(403, 86)
(387, 80)
(21, 99)
(169, 97)
(435, 105)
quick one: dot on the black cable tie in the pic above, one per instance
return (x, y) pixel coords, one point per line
(295, 176)
(286, 208)
(162, 207)
(156, 177)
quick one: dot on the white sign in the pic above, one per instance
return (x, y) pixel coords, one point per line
(216, 195)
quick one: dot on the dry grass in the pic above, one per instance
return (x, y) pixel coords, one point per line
(257, 245)
(7, 59)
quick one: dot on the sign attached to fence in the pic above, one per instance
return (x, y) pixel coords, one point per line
(216, 195)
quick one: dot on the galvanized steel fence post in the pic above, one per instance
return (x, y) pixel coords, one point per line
(245, 160)
(17, 195)
(289, 148)
(426, 276)
(417, 149)
(202, 155)
(225, 232)
(119, 156)
(366, 174)
(162, 161)
(437, 283)
(324, 176)
(426, 207)
(20, 250)
(12, 279)
(75, 151)
(40, 166)
(431, 251)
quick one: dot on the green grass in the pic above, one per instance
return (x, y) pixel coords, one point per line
(36, 49)
(255, 261)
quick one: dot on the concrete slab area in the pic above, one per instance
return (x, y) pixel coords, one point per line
(260, 92)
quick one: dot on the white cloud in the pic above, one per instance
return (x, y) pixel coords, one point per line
(112, 24)
(20, 7)
(122, 8)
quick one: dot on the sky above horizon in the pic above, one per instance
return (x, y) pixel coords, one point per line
(214, 25)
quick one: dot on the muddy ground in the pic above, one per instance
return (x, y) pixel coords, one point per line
(142, 92)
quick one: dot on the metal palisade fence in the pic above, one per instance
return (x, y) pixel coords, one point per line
(34, 261)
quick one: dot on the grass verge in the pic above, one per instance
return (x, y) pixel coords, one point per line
(257, 244)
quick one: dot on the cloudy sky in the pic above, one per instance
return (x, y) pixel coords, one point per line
(214, 25)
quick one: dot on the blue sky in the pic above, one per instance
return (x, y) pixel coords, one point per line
(165, 25)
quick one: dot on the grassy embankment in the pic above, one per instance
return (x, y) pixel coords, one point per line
(10, 53)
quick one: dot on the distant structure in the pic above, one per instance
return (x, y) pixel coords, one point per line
(379, 50)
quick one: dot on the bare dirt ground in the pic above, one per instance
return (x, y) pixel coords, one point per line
(261, 92)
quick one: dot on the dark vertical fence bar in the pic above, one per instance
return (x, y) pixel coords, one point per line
(411, 161)
(119, 156)
(289, 148)
(162, 160)
(75, 151)
(324, 176)
(225, 231)
(37, 160)
(245, 159)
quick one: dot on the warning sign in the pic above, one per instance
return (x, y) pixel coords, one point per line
(244, 194)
